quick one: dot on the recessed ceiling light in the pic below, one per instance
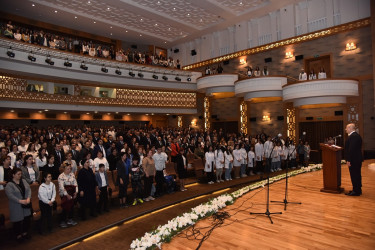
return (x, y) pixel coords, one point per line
(140, 34)
(96, 112)
(75, 17)
(152, 114)
(116, 112)
(169, 29)
(12, 111)
(111, 27)
(108, 113)
(94, 22)
(127, 114)
(156, 24)
(88, 2)
(201, 20)
(40, 111)
(165, 42)
(141, 19)
(111, 34)
(158, 2)
(87, 113)
(188, 14)
(166, 114)
(55, 11)
(126, 31)
(174, 9)
(46, 110)
(146, 114)
(108, 8)
(33, 5)
(65, 112)
(241, 3)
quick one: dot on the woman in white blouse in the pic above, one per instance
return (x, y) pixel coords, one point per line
(228, 163)
(257, 71)
(276, 163)
(209, 165)
(292, 155)
(322, 74)
(41, 160)
(29, 171)
(237, 161)
(100, 160)
(70, 161)
(250, 160)
(219, 160)
(312, 75)
(47, 196)
(243, 160)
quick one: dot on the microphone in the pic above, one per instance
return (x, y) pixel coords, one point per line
(337, 136)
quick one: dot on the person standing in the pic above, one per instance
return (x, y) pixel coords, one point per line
(160, 160)
(181, 169)
(354, 158)
(259, 153)
(209, 165)
(87, 188)
(47, 196)
(102, 180)
(219, 162)
(148, 165)
(122, 178)
(19, 194)
(228, 161)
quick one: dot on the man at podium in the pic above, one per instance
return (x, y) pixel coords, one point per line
(353, 156)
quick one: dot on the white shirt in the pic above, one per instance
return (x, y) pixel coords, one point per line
(98, 161)
(243, 156)
(47, 193)
(302, 76)
(237, 157)
(312, 77)
(322, 75)
(276, 154)
(210, 161)
(228, 159)
(102, 176)
(13, 158)
(219, 158)
(1, 176)
(250, 159)
(22, 149)
(259, 151)
(292, 152)
(41, 162)
(268, 148)
(31, 173)
(160, 160)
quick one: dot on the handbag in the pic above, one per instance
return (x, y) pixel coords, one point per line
(67, 204)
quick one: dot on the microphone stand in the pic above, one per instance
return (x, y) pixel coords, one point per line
(268, 213)
(285, 201)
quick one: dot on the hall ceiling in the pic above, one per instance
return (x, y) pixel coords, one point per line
(159, 22)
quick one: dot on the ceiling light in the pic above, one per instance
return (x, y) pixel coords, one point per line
(31, 57)
(111, 27)
(65, 112)
(152, 113)
(11, 53)
(111, 34)
(116, 112)
(12, 111)
(46, 110)
(94, 22)
(108, 8)
(83, 66)
(169, 29)
(174, 9)
(87, 113)
(158, 2)
(33, 5)
(141, 19)
(118, 72)
(166, 114)
(201, 20)
(241, 3)
(96, 112)
(127, 114)
(67, 63)
(165, 78)
(40, 111)
(188, 14)
(165, 42)
(75, 17)
(108, 113)
(126, 31)
(104, 69)
(49, 61)
(55, 11)
(156, 24)
(146, 114)
(140, 34)
(88, 2)
(189, 79)
(140, 75)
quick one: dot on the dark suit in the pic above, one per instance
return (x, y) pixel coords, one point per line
(353, 154)
(59, 159)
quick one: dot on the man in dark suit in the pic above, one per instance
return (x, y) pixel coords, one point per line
(59, 155)
(353, 156)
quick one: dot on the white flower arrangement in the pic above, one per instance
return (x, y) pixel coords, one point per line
(164, 233)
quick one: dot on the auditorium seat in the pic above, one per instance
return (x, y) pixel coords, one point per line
(170, 168)
(35, 201)
(4, 209)
(58, 198)
(198, 168)
(112, 176)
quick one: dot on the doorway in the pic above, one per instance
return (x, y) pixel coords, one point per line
(317, 132)
(316, 63)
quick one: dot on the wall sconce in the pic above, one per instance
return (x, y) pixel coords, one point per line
(288, 55)
(266, 118)
(242, 61)
(194, 122)
(350, 46)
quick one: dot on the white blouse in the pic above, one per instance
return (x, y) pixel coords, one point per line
(219, 158)
(228, 159)
(210, 161)
(237, 158)
(251, 157)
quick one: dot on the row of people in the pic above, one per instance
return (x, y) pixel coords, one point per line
(257, 72)
(35, 36)
(312, 76)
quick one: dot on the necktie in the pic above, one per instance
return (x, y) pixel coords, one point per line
(58, 153)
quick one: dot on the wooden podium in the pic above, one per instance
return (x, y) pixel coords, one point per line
(331, 156)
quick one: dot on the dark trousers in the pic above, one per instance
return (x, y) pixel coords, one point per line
(148, 185)
(137, 189)
(84, 207)
(46, 216)
(259, 166)
(356, 177)
(23, 226)
(103, 199)
(65, 215)
(210, 176)
(301, 158)
(159, 178)
(292, 163)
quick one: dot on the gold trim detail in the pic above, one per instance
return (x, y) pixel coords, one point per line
(15, 89)
(243, 112)
(207, 124)
(303, 38)
(291, 123)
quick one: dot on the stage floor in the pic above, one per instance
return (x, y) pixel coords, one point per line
(322, 221)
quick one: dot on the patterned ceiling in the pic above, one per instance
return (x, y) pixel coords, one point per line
(157, 22)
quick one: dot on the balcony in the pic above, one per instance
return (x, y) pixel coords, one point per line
(260, 88)
(320, 91)
(218, 83)
(88, 69)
